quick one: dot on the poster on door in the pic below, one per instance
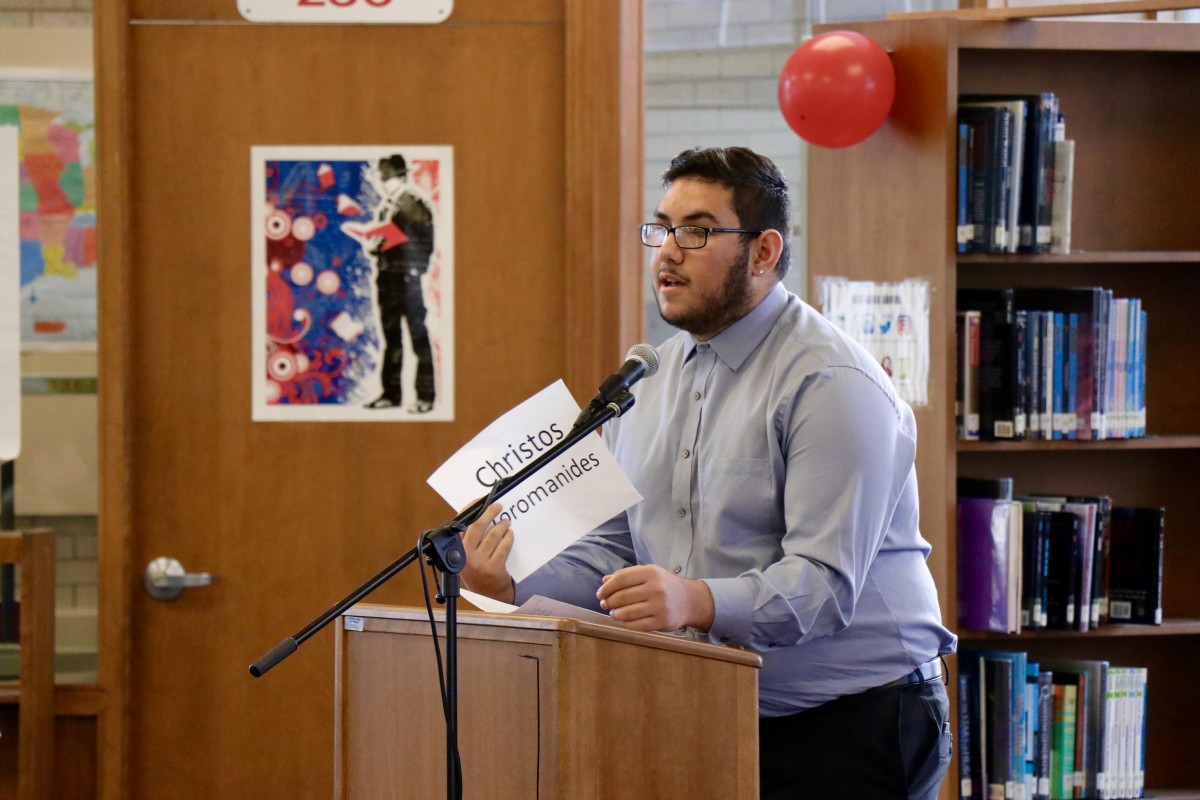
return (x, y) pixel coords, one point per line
(352, 283)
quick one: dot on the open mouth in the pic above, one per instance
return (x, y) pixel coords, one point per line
(668, 281)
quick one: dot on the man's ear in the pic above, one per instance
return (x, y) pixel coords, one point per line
(766, 251)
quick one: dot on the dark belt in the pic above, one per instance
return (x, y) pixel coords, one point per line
(929, 671)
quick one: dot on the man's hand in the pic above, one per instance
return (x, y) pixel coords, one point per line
(649, 598)
(488, 546)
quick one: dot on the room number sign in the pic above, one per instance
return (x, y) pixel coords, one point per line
(383, 12)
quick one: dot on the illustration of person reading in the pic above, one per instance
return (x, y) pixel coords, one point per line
(402, 249)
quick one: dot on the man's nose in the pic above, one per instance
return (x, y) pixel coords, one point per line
(670, 249)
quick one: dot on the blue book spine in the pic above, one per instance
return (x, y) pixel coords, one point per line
(1110, 376)
(1048, 375)
(1141, 373)
(1131, 364)
(966, 229)
(1032, 730)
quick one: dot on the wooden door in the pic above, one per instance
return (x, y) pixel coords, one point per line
(540, 100)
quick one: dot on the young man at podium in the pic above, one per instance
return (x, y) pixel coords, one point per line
(780, 510)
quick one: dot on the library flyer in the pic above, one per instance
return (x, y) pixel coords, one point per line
(891, 320)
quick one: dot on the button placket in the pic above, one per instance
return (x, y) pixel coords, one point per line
(684, 473)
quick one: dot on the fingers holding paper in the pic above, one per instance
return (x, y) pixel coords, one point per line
(488, 543)
(649, 598)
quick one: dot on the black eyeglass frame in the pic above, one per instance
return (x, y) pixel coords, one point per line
(670, 231)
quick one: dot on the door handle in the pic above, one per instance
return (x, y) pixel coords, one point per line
(165, 578)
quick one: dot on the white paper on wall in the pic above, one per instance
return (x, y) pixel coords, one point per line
(890, 320)
(10, 297)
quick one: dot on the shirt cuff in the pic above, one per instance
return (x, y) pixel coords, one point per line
(733, 603)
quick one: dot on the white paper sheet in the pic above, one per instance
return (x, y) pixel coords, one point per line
(10, 279)
(563, 500)
(540, 606)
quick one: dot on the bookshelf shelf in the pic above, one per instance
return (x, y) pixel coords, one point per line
(1084, 258)
(887, 212)
(1170, 627)
(1182, 442)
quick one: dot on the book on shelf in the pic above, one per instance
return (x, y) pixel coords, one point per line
(1088, 511)
(990, 175)
(1037, 166)
(1043, 713)
(993, 488)
(1035, 536)
(1080, 318)
(1001, 362)
(964, 230)
(1012, 160)
(1054, 727)
(1124, 736)
(1091, 716)
(1064, 555)
(999, 674)
(1062, 191)
(1135, 562)
(1063, 363)
(989, 564)
(970, 719)
(1062, 750)
(967, 396)
(993, 688)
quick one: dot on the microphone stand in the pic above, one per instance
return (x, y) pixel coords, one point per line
(443, 547)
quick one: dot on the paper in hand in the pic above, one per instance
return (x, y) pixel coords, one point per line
(562, 501)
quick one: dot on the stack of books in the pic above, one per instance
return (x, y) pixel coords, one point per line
(1072, 562)
(1050, 363)
(1048, 729)
(1015, 173)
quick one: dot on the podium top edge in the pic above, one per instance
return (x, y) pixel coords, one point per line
(481, 619)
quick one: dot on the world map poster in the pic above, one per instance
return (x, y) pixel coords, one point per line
(54, 114)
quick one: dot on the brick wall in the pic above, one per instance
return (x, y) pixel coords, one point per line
(712, 73)
(45, 13)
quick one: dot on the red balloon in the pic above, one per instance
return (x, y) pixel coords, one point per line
(837, 88)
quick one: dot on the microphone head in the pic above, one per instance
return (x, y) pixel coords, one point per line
(645, 354)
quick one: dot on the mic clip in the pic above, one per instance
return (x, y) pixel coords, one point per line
(621, 402)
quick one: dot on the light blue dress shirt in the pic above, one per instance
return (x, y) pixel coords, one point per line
(777, 465)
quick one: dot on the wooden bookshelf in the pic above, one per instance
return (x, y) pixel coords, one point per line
(884, 210)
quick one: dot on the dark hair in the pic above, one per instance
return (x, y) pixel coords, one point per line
(760, 193)
(396, 162)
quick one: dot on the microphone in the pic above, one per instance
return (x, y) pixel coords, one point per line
(640, 362)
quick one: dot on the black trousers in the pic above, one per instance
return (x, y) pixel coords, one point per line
(882, 744)
(401, 299)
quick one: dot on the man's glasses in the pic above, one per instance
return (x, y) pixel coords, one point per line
(688, 237)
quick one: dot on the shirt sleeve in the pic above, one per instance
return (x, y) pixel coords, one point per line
(848, 449)
(573, 576)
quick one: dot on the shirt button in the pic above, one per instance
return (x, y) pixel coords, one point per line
(677, 568)
(695, 395)
(687, 453)
(681, 512)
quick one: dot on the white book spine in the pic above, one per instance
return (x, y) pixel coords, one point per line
(1060, 206)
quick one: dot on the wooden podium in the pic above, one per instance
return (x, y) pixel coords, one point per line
(547, 708)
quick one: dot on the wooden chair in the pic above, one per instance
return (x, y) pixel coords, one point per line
(33, 552)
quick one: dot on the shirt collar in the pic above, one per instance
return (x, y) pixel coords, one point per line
(735, 344)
